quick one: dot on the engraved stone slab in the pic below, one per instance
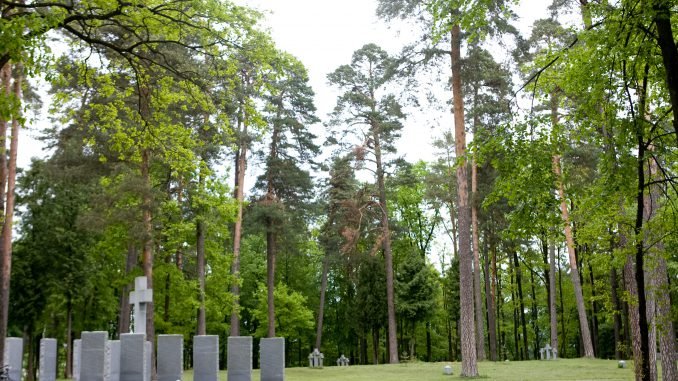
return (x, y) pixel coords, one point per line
(170, 357)
(77, 353)
(205, 358)
(14, 355)
(272, 359)
(93, 356)
(239, 361)
(132, 357)
(113, 360)
(48, 357)
(148, 347)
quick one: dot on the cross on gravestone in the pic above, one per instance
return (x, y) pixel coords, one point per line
(140, 297)
(541, 353)
(342, 361)
(315, 359)
(547, 349)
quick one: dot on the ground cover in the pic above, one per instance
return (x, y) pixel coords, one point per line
(562, 369)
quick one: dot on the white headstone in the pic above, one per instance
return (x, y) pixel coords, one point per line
(77, 353)
(447, 370)
(113, 360)
(14, 355)
(48, 359)
(140, 297)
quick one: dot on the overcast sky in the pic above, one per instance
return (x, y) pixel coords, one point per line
(324, 34)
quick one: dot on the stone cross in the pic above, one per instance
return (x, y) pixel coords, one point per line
(547, 348)
(140, 298)
(315, 359)
(342, 361)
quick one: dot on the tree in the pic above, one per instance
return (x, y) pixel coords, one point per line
(286, 187)
(374, 116)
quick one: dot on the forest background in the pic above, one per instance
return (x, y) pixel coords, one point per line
(185, 145)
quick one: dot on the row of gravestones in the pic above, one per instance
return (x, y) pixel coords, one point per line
(95, 358)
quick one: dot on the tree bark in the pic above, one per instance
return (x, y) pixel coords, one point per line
(552, 296)
(519, 281)
(124, 318)
(535, 317)
(321, 307)
(6, 235)
(270, 275)
(594, 312)
(659, 293)
(667, 45)
(240, 169)
(480, 321)
(388, 252)
(574, 272)
(489, 299)
(469, 366)
(68, 370)
(375, 345)
(200, 251)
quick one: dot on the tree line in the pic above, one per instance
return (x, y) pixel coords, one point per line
(182, 148)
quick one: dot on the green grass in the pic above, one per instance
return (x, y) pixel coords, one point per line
(562, 369)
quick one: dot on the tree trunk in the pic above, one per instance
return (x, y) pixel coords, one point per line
(519, 281)
(240, 169)
(147, 253)
(617, 313)
(631, 288)
(68, 370)
(516, 339)
(375, 345)
(270, 274)
(125, 307)
(562, 308)
(321, 308)
(660, 294)
(667, 45)
(388, 253)
(552, 296)
(535, 316)
(489, 299)
(6, 235)
(480, 321)
(200, 251)
(574, 272)
(469, 366)
(594, 312)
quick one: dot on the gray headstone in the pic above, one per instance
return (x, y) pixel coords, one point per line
(148, 347)
(132, 357)
(14, 355)
(113, 360)
(48, 357)
(93, 356)
(272, 359)
(170, 357)
(239, 361)
(447, 370)
(77, 356)
(205, 358)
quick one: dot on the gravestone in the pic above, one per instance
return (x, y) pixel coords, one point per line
(48, 360)
(133, 357)
(621, 364)
(541, 353)
(77, 353)
(315, 359)
(93, 356)
(205, 358)
(272, 354)
(148, 358)
(113, 360)
(170, 357)
(14, 355)
(239, 358)
(342, 361)
(140, 297)
(447, 370)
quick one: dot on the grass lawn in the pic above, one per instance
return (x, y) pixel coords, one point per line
(562, 369)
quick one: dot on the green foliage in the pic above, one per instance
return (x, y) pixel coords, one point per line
(293, 318)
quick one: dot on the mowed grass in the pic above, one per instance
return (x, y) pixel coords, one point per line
(562, 369)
